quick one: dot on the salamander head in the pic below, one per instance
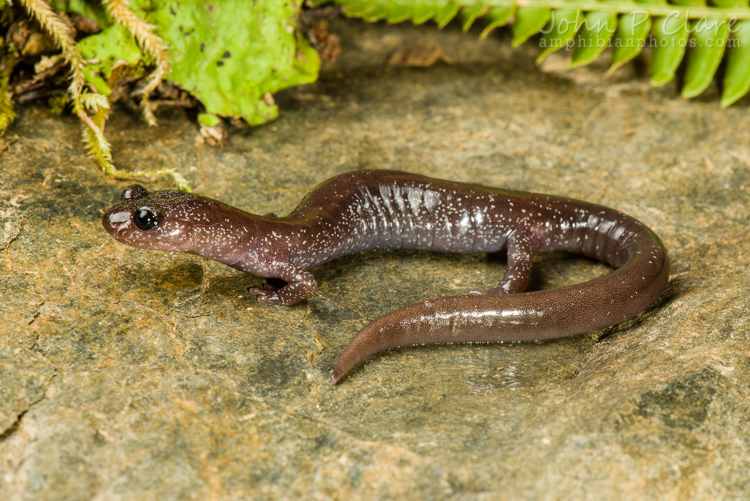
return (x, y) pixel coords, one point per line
(162, 220)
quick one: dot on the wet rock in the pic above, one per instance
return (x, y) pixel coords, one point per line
(141, 375)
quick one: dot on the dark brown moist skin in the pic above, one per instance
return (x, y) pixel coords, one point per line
(378, 209)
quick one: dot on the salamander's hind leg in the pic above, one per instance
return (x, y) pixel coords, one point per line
(300, 284)
(520, 258)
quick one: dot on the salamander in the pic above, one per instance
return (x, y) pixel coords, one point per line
(381, 209)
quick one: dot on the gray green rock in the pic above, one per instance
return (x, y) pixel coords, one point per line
(127, 374)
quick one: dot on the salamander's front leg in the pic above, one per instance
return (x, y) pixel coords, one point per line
(300, 284)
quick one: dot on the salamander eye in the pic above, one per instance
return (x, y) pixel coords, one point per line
(146, 218)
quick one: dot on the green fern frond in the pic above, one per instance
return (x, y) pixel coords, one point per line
(712, 33)
(84, 103)
(496, 17)
(7, 62)
(60, 33)
(93, 136)
(99, 149)
(94, 102)
(151, 44)
(96, 144)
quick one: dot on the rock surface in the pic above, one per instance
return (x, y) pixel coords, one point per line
(128, 374)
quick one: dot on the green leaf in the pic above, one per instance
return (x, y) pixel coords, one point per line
(444, 15)
(470, 14)
(560, 31)
(630, 38)
(729, 4)
(672, 56)
(208, 119)
(497, 16)
(230, 54)
(422, 13)
(399, 13)
(689, 3)
(710, 38)
(376, 12)
(357, 9)
(671, 38)
(529, 21)
(105, 49)
(94, 10)
(737, 76)
(596, 31)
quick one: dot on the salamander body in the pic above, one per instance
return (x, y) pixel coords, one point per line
(380, 209)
